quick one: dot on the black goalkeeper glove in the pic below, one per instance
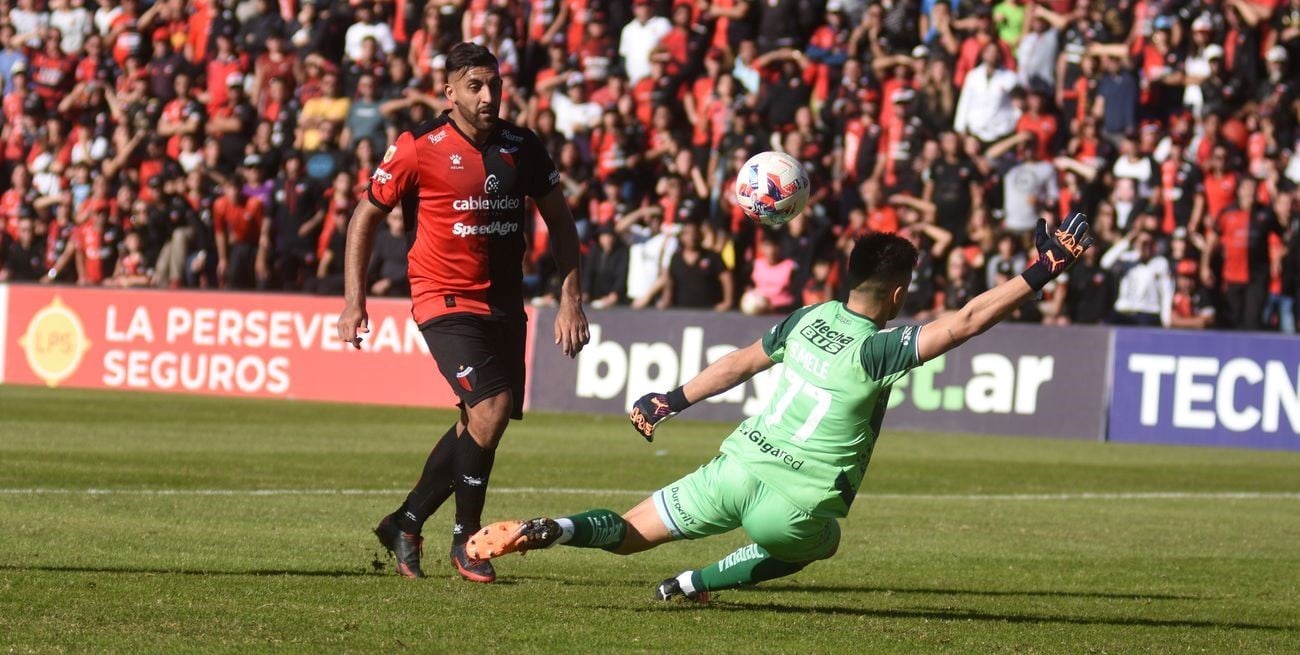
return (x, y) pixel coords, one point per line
(654, 408)
(1057, 250)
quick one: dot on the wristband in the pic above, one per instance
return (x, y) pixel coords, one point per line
(677, 400)
(1037, 275)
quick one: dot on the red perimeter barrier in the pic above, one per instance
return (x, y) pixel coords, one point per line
(225, 344)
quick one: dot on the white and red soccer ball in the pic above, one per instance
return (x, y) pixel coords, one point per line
(772, 188)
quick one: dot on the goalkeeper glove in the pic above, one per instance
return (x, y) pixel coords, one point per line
(1057, 250)
(654, 408)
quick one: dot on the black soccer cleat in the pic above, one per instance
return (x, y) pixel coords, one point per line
(474, 570)
(404, 546)
(671, 590)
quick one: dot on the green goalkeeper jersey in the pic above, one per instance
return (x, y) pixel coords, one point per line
(813, 441)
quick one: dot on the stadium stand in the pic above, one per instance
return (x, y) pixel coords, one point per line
(147, 144)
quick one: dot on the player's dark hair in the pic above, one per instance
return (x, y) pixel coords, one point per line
(466, 55)
(880, 260)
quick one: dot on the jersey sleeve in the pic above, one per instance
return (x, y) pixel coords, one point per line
(396, 175)
(774, 339)
(537, 175)
(888, 354)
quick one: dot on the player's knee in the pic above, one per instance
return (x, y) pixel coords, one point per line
(488, 419)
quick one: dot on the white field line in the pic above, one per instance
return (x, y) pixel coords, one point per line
(570, 491)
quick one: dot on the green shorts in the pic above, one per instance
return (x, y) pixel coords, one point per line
(722, 496)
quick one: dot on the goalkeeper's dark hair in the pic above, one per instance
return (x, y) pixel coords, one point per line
(466, 55)
(881, 261)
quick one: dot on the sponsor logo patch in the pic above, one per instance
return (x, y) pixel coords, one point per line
(382, 176)
(492, 184)
(463, 378)
(486, 203)
(494, 228)
(821, 335)
(455, 162)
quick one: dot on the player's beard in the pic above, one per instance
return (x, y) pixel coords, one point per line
(481, 121)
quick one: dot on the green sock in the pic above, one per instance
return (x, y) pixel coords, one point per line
(594, 528)
(749, 565)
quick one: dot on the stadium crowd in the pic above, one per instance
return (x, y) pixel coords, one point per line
(224, 144)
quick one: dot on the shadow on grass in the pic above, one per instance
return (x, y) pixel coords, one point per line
(140, 570)
(977, 592)
(958, 615)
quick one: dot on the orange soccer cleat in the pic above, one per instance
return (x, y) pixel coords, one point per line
(505, 537)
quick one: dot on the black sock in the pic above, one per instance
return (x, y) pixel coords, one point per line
(473, 466)
(435, 486)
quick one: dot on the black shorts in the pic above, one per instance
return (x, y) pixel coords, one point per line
(480, 356)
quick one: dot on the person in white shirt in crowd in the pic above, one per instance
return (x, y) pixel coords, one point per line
(1146, 283)
(574, 113)
(639, 39)
(28, 19)
(1132, 164)
(73, 23)
(984, 109)
(367, 25)
(651, 247)
(1029, 188)
(1196, 67)
(1037, 50)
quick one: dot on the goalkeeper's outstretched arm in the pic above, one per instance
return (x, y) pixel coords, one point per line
(1057, 250)
(981, 313)
(729, 371)
(737, 366)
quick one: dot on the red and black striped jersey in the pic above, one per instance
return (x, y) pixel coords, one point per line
(467, 203)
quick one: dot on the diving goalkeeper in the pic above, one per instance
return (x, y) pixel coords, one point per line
(787, 474)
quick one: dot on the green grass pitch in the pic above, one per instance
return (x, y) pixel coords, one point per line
(957, 545)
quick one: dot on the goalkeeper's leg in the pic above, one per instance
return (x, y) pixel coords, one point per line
(787, 539)
(639, 529)
(704, 502)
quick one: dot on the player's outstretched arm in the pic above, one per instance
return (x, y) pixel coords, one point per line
(353, 322)
(729, 371)
(1057, 250)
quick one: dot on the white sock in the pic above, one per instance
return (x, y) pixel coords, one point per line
(684, 581)
(566, 530)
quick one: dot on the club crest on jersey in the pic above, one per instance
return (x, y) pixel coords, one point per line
(492, 184)
(388, 154)
(455, 163)
(508, 155)
(463, 378)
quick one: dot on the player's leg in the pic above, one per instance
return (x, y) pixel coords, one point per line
(786, 540)
(489, 378)
(399, 532)
(472, 466)
(698, 505)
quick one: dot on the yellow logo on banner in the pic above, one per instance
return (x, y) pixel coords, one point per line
(54, 342)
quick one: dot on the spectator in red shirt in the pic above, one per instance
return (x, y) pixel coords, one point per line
(95, 241)
(880, 216)
(242, 237)
(1220, 183)
(53, 72)
(1040, 123)
(1241, 237)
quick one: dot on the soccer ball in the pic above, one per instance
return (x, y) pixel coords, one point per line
(772, 188)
